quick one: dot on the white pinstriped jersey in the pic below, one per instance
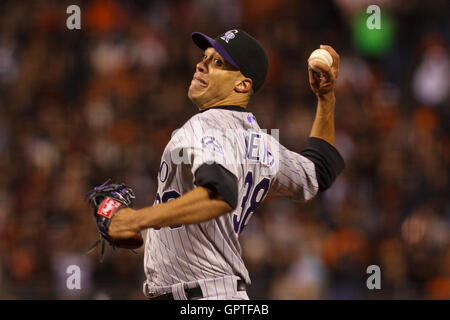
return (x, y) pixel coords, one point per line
(233, 139)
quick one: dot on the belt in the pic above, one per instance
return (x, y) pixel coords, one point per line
(194, 293)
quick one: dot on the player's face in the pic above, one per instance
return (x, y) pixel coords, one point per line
(214, 79)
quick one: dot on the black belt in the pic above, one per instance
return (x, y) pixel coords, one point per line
(195, 293)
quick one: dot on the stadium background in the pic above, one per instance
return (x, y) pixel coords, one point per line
(80, 106)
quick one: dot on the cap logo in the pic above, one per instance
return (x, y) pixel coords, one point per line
(230, 34)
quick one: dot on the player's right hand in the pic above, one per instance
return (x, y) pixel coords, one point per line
(322, 83)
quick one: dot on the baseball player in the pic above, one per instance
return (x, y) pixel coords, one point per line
(218, 168)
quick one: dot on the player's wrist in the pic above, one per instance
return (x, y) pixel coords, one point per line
(326, 106)
(327, 97)
(142, 218)
(150, 217)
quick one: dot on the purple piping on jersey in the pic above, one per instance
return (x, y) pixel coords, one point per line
(181, 241)
(169, 254)
(187, 258)
(198, 260)
(160, 253)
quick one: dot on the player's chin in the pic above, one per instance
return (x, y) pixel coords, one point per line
(195, 92)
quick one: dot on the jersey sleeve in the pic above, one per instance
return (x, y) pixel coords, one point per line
(302, 175)
(211, 160)
(295, 176)
(327, 161)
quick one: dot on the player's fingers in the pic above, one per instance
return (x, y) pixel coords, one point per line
(334, 55)
(332, 52)
(325, 74)
(320, 66)
(314, 77)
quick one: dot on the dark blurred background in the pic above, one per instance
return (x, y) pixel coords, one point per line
(80, 106)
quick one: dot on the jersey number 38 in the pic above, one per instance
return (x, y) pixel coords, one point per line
(250, 202)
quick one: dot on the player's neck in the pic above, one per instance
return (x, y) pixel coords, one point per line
(229, 101)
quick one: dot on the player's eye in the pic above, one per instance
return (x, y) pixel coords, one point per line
(204, 57)
(218, 62)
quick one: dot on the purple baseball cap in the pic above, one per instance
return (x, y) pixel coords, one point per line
(240, 50)
(204, 42)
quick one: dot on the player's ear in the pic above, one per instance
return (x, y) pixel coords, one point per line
(244, 85)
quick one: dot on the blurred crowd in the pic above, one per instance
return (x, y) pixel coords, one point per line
(80, 106)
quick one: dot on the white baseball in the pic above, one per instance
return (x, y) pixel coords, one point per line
(322, 55)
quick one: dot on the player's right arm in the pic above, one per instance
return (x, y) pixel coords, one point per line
(302, 175)
(322, 84)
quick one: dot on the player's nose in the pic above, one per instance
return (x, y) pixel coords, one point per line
(201, 67)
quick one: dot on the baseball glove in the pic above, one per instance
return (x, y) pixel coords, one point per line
(107, 200)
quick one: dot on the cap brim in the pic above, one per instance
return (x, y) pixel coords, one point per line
(204, 42)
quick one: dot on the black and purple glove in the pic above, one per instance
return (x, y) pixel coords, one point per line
(107, 199)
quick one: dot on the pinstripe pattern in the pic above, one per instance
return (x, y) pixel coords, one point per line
(209, 254)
